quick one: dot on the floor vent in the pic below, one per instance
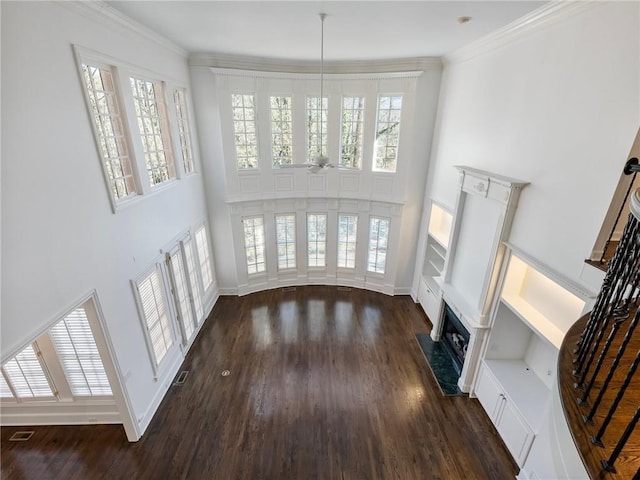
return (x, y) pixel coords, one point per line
(344, 289)
(225, 373)
(182, 377)
(289, 289)
(21, 436)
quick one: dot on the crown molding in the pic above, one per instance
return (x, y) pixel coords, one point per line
(105, 14)
(280, 66)
(541, 18)
(313, 76)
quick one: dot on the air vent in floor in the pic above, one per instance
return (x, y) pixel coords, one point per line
(289, 289)
(21, 436)
(344, 289)
(182, 377)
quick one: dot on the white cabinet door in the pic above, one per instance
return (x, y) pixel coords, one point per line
(489, 393)
(429, 300)
(515, 433)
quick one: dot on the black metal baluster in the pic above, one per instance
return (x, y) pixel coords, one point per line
(614, 329)
(608, 464)
(614, 366)
(612, 410)
(629, 269)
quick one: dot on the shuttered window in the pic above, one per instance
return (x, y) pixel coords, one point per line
(27, 376)
(204, 256)
(194, 281)
(79, 356)
(181, 293)
(154, 306)
(5, 391)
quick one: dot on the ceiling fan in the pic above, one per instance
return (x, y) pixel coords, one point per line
(320, 161)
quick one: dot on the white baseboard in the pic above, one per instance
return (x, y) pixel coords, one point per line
(60, 413)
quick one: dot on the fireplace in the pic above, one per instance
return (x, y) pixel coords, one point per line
(455, 337)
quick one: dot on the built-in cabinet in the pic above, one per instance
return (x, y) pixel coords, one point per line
(516, 374)
(430, 287)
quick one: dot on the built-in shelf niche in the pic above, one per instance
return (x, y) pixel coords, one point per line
(529, 320)
(436, 245)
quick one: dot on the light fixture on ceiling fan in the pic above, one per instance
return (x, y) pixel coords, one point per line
(320, 161)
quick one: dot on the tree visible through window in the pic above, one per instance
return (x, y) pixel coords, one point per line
(387, 133)
(316, 239)
(109, 130)
(244, 127)
(254, 244)
(153, 123)
(286, 241)
(378, 239)
(316, 121)
(281, 131)
(352, 132)
(347, 231)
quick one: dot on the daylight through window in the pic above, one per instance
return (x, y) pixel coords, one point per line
(316, 239)
(378, 239)
(352, 132)
(254, 244)
(316, 115)
(153, 124)
(387, 133)
(347, 231)
(183, 130)
(286, 241)
(281, 131)
(244, 127)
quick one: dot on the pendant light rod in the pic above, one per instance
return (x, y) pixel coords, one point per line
(322, 17)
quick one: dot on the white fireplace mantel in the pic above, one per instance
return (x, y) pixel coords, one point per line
(482, 219)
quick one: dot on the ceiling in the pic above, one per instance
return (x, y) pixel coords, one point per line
(290, 30)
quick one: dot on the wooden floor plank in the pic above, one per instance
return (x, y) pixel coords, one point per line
(324, 384)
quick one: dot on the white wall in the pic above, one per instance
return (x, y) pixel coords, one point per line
(559, 107)
(60, 238)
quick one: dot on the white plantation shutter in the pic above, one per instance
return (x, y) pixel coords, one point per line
(27, 376)
(203, 255)
(79, 356)
(181, 293)
(5, 391)
(154, 307)
(194, 281)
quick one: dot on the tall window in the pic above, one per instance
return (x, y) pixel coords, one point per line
(79, 356)
(316, 239)
(154, 307)
(204, 255)
(347, 231)
(352, 132)
(387, 133)
(254, 244)
(244, 127)
(109, 130)
(194, 282)
(180, 290)
(286, 241)
(378, 239)
(281, 131)
(316, 119)
(182, 114)
(5, 391)
(25, 374)
(153, 123)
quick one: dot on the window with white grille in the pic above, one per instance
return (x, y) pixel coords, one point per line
(78, 355)
(244, 127)
(352, 132)
(108, 129)
(194, 279)
(184, 130)
(281, 130)
(204, 256)
(316, 122)
(316, 239)
(156, 317)
(347, 232)
(153, 125)
(181, 298)
(378, 239)
(254, 244)
(286, 241)
(27, 376)
(387, 133)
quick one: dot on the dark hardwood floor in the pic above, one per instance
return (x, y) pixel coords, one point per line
(325, 384)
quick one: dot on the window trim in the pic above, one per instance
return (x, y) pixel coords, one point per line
(54, 397)
(156, 366)
(188, 129)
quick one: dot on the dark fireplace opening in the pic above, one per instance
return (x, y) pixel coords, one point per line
(454, 337)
